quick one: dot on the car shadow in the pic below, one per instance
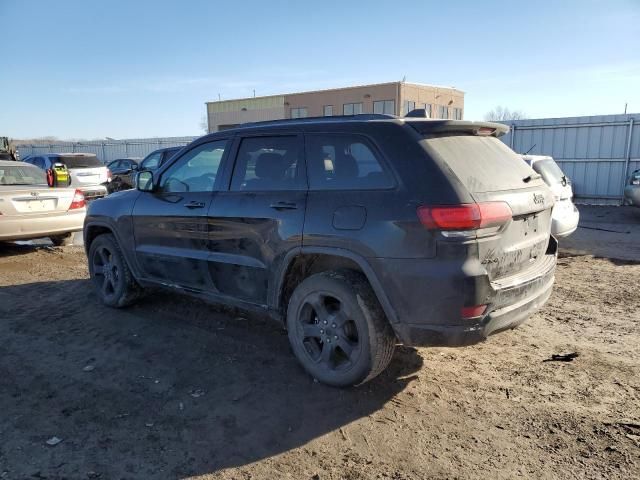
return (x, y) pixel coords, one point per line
(172, 387)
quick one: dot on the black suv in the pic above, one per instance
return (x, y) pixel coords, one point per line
(357, 232)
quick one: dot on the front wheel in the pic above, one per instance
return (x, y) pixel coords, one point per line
(337, 329)
(110, 273)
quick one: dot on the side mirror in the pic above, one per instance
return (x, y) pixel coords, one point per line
(144, 181)
(134, 166)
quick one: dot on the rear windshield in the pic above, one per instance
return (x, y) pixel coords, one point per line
(79, 161)
(549, 170)
(22, 175)
(482, 164)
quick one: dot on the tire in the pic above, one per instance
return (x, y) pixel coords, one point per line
(110, 274)
(339, 307)
(62, 240)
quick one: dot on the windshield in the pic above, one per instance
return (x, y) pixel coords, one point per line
(482, 164)
(549, 170)
(22, 175)
(79, 161)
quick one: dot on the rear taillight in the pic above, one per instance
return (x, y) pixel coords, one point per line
(109, 175)
(78, 200)
(470, 216)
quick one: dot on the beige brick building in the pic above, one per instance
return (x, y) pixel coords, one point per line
(395, 98)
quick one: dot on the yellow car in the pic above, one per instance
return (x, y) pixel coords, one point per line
(30, 209)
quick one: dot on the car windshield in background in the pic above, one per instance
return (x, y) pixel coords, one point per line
(22, 175)
(549, 170)
(80, 161)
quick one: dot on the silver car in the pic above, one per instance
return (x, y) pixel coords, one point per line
(565, 216)
(30, 209)
(632, 190)
(88, 174)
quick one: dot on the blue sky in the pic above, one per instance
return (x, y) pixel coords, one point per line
(123, 69)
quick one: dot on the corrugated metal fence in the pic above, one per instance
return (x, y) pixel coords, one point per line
(107, 150)
(597, 153)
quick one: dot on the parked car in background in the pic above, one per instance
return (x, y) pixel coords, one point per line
(30, 209)
(122, 173)
(566, 216)
(632, 190)
(87, 173)
(356, 231)
(157, 158)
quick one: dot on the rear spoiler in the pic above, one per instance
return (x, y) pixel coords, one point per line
(426, 127)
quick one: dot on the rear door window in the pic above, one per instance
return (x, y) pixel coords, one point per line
(268, 163)
(344, 162)
(482, 164)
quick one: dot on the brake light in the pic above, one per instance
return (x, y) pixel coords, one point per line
(109, 175)
(470, 216)
(485, 131)
(473, 312)
(78, 201)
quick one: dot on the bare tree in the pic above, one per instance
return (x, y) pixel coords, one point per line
(501, 114)
(204, 124)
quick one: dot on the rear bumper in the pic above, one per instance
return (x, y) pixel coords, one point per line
(476, 331)
(27, 227)
(427, 297)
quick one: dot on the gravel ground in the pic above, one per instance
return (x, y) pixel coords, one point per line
(174, 388)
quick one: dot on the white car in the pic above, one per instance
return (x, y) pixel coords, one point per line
(565, 216)
(30, 209)
(88, 174)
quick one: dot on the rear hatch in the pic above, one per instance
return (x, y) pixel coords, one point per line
(85, 170)
(24, 191)
(491, 172)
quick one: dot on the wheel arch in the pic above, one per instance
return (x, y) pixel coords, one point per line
(94, 229)
(305, 261)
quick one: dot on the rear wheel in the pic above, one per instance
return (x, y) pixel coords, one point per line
(110, 273)
(338, 330)
(62, 240)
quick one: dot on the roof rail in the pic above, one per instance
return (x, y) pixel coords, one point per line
(333, 118)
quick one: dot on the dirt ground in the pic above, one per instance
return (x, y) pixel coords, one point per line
(174, 388)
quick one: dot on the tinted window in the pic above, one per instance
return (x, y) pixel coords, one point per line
(344, 162)
(22, 175)
(78, 161)
(196, 170)
(482, 164)
(267, 163)
(152, 161)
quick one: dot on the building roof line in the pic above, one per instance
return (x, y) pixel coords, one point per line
(326, 90)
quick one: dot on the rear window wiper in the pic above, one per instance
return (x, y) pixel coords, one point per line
(533, 176)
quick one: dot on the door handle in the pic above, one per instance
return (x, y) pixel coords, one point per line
(284, 206)
(194, 205)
